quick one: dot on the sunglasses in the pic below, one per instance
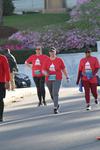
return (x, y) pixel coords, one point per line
(87, 52)
(37, 48)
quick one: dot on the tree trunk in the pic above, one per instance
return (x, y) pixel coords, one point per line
(1, 12)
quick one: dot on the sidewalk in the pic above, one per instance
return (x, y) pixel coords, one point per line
(12, 96)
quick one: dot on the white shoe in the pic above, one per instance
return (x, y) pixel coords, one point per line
(88, 107)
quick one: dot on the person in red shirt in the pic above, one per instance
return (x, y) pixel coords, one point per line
(53, 69)
(36, 62)
(4, 82)
(88, 69)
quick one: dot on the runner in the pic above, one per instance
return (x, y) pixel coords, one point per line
(4, 82)
(88, 68)
(53, 69)
(35, 62)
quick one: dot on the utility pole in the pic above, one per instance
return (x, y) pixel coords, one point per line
(1, 12)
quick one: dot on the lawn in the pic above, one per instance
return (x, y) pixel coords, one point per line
(35, 21)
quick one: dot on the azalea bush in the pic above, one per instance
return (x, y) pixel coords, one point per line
(27, 38)
(88, 11)
(79, 2)
(83, 30)
(62, 40)
(11, 44)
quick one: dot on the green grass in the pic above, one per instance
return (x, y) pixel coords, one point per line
(35, 21)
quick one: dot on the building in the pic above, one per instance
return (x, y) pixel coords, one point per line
(52, 6)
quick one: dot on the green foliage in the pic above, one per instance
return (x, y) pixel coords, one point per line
(8, 7)
(35, 21)
(22, 55)
(6, 41)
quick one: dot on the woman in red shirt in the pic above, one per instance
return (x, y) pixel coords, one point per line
(36, 62)
(4, 82)
(88, 68)
(53, 69)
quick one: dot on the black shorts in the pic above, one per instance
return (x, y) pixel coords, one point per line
(2, 91)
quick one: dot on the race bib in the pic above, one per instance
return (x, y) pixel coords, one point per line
(37, 72)
(89, 74)
(52, 77)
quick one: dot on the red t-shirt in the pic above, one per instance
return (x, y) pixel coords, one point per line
(37, 63)
(54, 67)
(89, 63)
(4, 69)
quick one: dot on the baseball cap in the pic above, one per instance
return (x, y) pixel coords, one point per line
(52, 49)
(38, 48)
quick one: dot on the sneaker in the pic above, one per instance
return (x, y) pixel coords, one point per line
(58, 107)
(1, 120)
(96, 101)
(56, 111)
(88, 107)
(44, 103)
(39, 103)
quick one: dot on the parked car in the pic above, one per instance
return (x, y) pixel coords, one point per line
(22, 80)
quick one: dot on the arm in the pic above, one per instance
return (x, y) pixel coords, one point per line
(6, 69)
(65, 73)
(97, 67)
(28, 64)
(95, 71)
(7, 74)
(79, 71)
(78, 77)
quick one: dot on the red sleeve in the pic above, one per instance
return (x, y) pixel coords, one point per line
(44, 65)
(81, 65)
(6, 69)
(62, 64)
(30, 59)
(97, 64)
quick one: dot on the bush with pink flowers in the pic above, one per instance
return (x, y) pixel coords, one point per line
(62, 40)
(85, 14)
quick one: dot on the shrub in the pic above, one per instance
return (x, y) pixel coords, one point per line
(8, 7)
(62, 40)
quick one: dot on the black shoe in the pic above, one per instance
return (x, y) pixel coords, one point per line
(44, 103)
(58, 107)
(56, 111)
(96, 101)
(1, 120)
(39, 103)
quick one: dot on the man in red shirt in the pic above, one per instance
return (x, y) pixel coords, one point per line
(53, 69)
(88, 68)
(4, 82)
(35, 62)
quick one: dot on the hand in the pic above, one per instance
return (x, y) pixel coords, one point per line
(7, 85)
(68, 79)
(77, 82)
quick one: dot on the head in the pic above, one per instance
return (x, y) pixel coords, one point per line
(38, 50)
(3, 51)
(52, 52)
(88, 52)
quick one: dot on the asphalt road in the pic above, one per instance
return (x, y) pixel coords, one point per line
(28, 127)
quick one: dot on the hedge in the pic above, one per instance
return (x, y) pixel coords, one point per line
(22, 55)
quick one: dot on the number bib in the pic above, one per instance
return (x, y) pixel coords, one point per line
(37, 72)
(52, 77)
(89, 74)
